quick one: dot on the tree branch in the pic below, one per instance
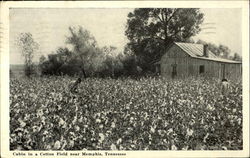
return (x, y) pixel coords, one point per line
(171, 16)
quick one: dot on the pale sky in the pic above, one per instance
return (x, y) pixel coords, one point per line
(50, 26)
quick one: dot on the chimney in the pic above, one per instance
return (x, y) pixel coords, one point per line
(205, 50)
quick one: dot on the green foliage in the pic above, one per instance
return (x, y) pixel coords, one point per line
(85, 48)
(237, 57)
(125, 114)
(60, 63)
(221, 51)
(28, 48)
(87, 57)
(112, 65)
(150, 30)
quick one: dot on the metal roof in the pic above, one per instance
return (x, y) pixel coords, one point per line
(220, 60)
(196, 51)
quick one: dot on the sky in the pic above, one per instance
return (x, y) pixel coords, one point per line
(49, 27)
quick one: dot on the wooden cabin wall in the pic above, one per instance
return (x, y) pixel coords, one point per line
(174, 55)
(233, 71)
(211, 68)
(188, 66)
(215, 69)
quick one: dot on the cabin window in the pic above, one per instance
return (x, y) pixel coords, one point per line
(202, 69)
(174, 70)
(158, 69)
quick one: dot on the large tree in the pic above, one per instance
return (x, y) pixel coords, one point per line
(150, 30)
(112, 64)
(220, 50)
(28, 48)
(84, 48)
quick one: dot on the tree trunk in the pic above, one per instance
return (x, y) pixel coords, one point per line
(83, 72)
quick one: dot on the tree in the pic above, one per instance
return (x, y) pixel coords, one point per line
(85, 59)
(84, 49)
(224, 51)
(61, 62)
(129, 61)
(220, 51)
(237, 57)
(42, 59)
(150, 30)
(28, 48)
(110, 58)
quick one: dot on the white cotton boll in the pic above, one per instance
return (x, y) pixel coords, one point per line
(192, 122)
(224, 148)
(77, 128)
(113, 147)
(43, 118)
(57, 145)
(75, 119)
(19, 134)
(170, 131)
(205, 138)
(229, 116)
(36, 129)
(152, 130)
(173, 147)
(61, 122)
(202, 121)
(26, 117)
(71, 143)
(80, 119)
(239, 121)
(45, 132)
(170, 102)
(234, 110)
(185, 148)
(127, 107)
(106, 122)
(101, 126)
(22, 124)
(59, 107)
(98, 114)
(98, 121)
(112, 125)
(231, 121)
(48, 147)
(190, 132)
(119, 141)
(102, 137)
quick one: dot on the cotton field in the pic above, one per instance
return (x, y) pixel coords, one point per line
(124, 114)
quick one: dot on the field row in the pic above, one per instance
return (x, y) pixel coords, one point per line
(124, 114)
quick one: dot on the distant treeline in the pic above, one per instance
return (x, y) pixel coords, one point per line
(149, 31)
(65, 62)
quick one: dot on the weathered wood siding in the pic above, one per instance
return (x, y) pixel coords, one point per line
(188, 66)
(174, 56)
(215, 69)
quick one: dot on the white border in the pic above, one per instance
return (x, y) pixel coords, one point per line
(244, 5)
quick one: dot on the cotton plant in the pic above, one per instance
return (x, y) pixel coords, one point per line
(124, 115)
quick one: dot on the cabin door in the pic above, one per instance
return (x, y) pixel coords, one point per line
(223, 70)
(174, 70)
(158, 69)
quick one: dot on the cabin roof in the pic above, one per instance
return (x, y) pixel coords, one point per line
(196, 51)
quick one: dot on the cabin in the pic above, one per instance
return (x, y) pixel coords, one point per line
(183, 60)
